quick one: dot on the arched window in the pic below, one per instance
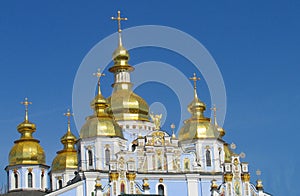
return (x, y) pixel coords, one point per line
(208, 158)
(122, 187)
(60, 184)
(90, 154)
(29, 177)
(16, 180)
(107, 156)
(161, 189)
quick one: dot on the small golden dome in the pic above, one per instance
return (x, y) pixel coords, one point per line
(101, 123)
(66, 158)
(198, 126)
(26, 150)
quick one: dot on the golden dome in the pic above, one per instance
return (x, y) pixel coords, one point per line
(26, 150)
(126, 105)
(101, 123)
(198, 126)
(66, 158)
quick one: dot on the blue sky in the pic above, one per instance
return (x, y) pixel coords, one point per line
(255, 44)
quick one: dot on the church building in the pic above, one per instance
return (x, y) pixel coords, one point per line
(122, 150)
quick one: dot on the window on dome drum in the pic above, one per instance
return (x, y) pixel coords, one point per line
(208, 158)
(107, 156)
(161, 189)
(29, 177)
(90, 154)
(60, 184)
(16, 180)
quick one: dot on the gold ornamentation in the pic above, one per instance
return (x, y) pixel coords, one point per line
(145, 184)
(195, 79)
(26, 103)
(113, 176)
(197, 126)
(235, 162)
(173, 133)
(119, 19)
(156, 118)
(130, 176)
(161, 180)
(26, 150)
(246, 177)
(259, 185)
(67, 157)
(102, 122)
(228, 177)
(214, 185)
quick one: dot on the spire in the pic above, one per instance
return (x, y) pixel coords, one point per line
(220, 129)
(98, 74)
(214, 110)
(67, 157)
(196, 107)
(68, 114)
(68, 140)
(195, 79)
(26, 103)
(99, 103)
(119, 19)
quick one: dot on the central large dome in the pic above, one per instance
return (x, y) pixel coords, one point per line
(126, 105)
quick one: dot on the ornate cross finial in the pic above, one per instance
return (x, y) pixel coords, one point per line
(119, 21)
(98, 74)
(214, 109)
(195, 79)
(68, 114)
(258, 172)
(26, 103)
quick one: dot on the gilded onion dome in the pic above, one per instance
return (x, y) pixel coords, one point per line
(26, 150)
(66, 158)
(198, 126)
(101, 123)
(124, 103)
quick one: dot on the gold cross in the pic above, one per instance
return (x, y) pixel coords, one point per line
(26, 103)
(214, 109)
(98, 74)
(68, 114)
(195, 79)
(119, 21)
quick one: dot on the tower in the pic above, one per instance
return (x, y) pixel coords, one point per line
(27, 170)
(128, 109)
(101, 138)
(66, 162)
